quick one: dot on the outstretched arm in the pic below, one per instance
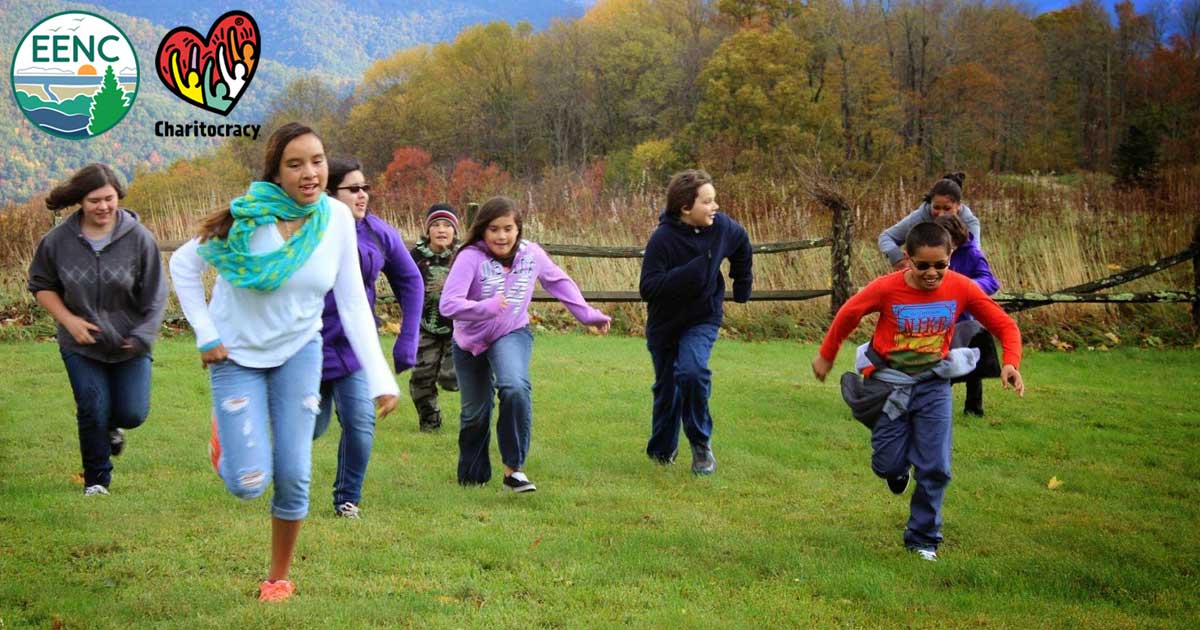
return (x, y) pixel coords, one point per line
(409, 289)
(741, 263)
(563, 288)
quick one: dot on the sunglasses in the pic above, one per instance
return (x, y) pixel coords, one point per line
(354, 190)
(924, 266)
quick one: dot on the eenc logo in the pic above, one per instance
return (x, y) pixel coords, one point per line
(211, 72)
(75, 75)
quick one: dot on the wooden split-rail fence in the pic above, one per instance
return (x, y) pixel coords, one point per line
(841, 288)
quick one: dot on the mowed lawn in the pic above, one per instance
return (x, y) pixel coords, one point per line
(793, 531)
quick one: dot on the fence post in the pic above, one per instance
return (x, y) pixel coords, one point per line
(843, 228)
(1196, 282)
(472, 209)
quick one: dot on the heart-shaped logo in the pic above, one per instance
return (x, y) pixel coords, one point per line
(211, 72)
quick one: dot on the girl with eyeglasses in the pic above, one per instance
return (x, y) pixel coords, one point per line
(343, 381)
(909, 364)
(944, 198)
(278, 250)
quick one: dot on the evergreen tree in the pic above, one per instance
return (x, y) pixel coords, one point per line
(1136, 160)
(108, 105)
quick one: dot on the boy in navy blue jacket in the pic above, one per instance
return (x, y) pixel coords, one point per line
(683, 288)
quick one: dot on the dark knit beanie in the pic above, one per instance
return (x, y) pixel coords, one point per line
(441, 211)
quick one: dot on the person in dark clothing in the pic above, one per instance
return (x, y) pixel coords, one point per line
(968, 259)
(435, 362)
(100, 275)
(684, 291)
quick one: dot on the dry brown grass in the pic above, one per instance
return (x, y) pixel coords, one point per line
(1040, 233)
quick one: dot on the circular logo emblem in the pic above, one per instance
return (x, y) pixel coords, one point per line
(75, 75)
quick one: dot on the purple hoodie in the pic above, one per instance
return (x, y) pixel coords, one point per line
(380, 248)
(472, 293)
(968, 260)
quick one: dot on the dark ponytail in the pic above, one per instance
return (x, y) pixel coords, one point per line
(950, 185)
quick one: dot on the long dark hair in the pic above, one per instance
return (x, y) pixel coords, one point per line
(85, 180)
(339, 168)
(950, 185)
(684, 186)
(491, 210)
(217, 224)
(955, 226)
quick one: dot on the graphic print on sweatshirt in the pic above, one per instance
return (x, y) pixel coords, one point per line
(920, 332)
(493, 279)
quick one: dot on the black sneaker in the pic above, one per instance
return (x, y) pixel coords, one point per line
(899, 483)
(703, 461)
(116, 441)
(973, 410)
(663, 461)
(518, 482)
(430, 420)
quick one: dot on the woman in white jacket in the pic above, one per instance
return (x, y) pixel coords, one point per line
(278, 250)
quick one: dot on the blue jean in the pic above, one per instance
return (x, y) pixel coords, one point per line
(920, 438)
(265, 422)
(107, 396)
(682, 385)
(503, 370)
(356, 414)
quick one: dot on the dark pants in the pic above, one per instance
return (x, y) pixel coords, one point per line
(107, 396)
(920, 438)
(987, 367)
(682, 385)
(435, 366)
(500, 371)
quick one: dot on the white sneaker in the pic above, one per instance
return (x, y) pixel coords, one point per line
(926, 554)
(97, 489)
(347, 510)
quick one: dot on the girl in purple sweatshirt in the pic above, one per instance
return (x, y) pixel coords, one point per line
(343, 381)
(487, 294)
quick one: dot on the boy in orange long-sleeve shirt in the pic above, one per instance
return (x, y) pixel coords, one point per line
(917, 309)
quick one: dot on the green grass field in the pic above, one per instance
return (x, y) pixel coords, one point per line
(793, 531)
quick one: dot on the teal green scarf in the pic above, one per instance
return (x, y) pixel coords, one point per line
(262, 204)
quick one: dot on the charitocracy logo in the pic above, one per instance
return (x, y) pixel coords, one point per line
(75, 75)
(211, 73)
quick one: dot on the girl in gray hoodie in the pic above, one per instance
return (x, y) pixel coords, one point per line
(99, 274)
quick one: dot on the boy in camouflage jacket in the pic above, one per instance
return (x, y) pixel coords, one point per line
(435, 365)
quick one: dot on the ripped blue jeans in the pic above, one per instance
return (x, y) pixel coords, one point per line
(265, 420)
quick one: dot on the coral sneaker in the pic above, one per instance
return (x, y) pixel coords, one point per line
(275, 591)
(214, 447)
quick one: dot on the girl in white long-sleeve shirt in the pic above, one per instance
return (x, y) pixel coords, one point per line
(278, 250)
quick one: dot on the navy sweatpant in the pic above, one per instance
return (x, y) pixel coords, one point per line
(920, 438)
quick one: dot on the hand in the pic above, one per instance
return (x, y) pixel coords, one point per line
(821, 367)
(213, 355)
(131, 344)
(602, 329)
(384, 405)
(81, 330)
(503, 302)
(1010, 378)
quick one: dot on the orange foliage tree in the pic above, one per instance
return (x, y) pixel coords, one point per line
(409, 183)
